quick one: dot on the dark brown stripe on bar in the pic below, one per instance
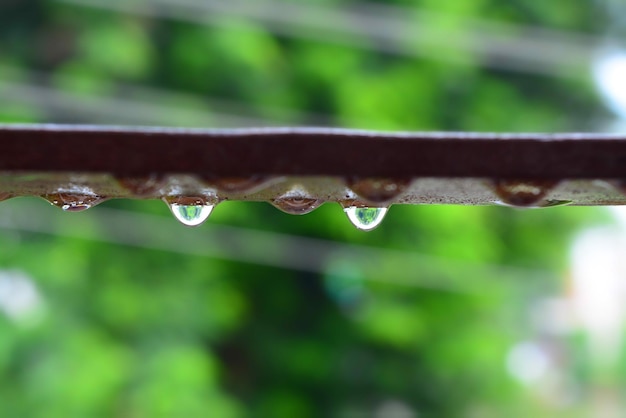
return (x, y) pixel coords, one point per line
(310, 151)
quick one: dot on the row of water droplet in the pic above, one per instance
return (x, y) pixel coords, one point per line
(366, 214)
(193, 211)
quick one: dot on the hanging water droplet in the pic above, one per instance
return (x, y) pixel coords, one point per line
(190, 211)
(365, 218)
(524, 193)
(191, 215)
(297, 205)
(73, 202)
(378, 190)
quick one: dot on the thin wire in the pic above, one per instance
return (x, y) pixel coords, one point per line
(102, 109)
(143, 106)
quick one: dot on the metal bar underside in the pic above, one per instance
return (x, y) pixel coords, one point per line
(321, 163)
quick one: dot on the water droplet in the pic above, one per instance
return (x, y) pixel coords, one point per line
(239, 184)
(191, 215)
(297, 205)
(143, 186)
(73, 202)
(190, 211)
(365, 218)
(524, 193)
(378, 190)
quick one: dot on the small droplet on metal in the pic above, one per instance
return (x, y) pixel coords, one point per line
(239, 184)
(73, 202)
(365, 218)
(523, 193)
(296, 205)
(190, 211)
(144, 185)
(378, 190)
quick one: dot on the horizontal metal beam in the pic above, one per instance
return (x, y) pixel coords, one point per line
(310, 151)
(299, 168)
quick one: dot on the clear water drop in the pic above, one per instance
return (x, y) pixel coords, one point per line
(190, 211)
(297, 205)
(365, 218)
(191, 215)
(73, 202)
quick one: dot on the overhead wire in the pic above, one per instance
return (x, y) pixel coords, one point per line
(139, 105)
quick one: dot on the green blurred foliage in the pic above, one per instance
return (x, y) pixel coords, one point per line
(136, 332)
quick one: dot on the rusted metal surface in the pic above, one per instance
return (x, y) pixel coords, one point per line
(313, 163)
(310, 151)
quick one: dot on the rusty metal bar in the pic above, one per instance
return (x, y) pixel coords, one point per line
(313, 163)
(310, 151)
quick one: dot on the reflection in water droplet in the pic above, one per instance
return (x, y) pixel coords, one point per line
(297, 205)
(190, 211)
(378, 190)
(191, 215)
(73, 202)
(365, 218)
(524, 193)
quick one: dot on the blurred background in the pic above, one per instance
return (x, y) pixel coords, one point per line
(442, 311)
